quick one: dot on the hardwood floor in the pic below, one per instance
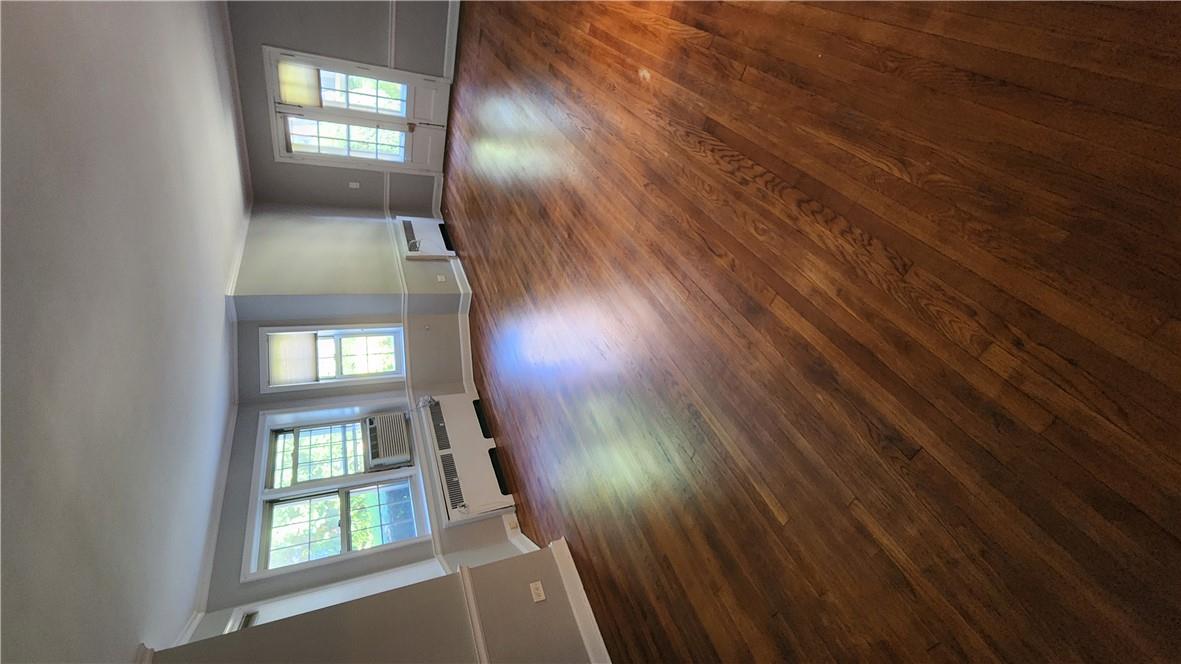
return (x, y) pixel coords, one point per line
(836, 331)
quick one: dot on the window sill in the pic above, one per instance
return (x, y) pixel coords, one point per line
(349, 555)
(334, 382)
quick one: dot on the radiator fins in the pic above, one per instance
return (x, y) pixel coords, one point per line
(451, 480)
(440, 426)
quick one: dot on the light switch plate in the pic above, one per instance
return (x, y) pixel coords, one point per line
(537, 591)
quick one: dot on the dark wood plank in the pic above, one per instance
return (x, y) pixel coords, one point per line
(831, 332)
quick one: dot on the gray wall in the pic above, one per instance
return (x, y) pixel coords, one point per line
(517, 629)
(424, 622)
(357, 31)
(318, 251)
(417, 43)
(433, 353)
(121, 225)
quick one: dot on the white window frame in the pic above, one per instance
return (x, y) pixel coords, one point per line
(352, 329)
(258, 517)
(409, 124)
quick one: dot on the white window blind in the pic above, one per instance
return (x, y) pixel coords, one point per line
(292, 357)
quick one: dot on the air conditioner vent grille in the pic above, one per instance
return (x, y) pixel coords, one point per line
(451, 480)
(389, 440)
(441, 437)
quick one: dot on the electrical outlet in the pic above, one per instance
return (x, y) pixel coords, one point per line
(537, 591)
(354, 185)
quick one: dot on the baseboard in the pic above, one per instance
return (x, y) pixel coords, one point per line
(584, 617)
(186, 633)
(143, 654)
(519, 539)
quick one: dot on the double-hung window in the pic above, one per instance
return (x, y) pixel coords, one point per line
(303, 357)
(334, 112)
(320, 498)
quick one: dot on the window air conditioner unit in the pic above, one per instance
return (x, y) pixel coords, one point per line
(426, 239)
(470, 480)
(390, 441)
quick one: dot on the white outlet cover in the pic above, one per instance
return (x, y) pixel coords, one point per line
(537, 591)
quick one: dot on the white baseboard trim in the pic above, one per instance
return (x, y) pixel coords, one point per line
(519, 539)
(437, 197)
(584, 617)
(186, 634)
(143, 654)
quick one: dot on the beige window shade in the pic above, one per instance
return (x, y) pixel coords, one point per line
(292, 357)
(299, 84)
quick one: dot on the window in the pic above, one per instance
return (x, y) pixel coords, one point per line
(302, 357)
(321, 500)
(346, 140)
(339, 113)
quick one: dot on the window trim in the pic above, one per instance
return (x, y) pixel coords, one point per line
(264, 357)
(359, 481)
(326, 410)
(278, 111)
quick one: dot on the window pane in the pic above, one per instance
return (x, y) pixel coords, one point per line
(330, 451)
(326, 347)
(381, 514)
(332, 80)
(361, 149)
(354, 366)
(303, 530)
(391, 90)
(334, 146)
(333, 130)
(305, 144)
(390, 137)
(345, 140)
(380, 344)
(381, 363)
(302, 127)
(366, 134)
(362, 84)
(391, 106)
(284, 443)
(362, 102)
(333, 99)
(326, 354)
(328, 367)
(353, 346)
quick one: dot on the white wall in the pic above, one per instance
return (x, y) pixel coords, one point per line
(123, 214)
